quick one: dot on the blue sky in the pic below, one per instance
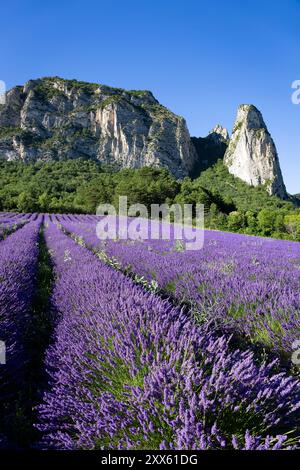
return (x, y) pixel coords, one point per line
(199, 58)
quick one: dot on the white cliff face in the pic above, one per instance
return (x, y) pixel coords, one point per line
(219, 134)
(251, 154)
(53, 118)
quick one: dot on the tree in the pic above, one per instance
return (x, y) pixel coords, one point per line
(236, 221)
(266, 221)
(98, 191)
(43, 202)
(251, 222)
(292, 225)
(27, 202)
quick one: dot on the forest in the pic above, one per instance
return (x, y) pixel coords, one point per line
(80, 185)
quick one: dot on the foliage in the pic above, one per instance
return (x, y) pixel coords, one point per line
(233, 205)
(8, 131)
(80, 185)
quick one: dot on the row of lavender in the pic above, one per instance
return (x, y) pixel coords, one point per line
(19, 257)
(128, 370)
(245, 284)
(11, 217)
(9, 222)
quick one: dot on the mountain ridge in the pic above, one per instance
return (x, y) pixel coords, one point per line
(52, 118)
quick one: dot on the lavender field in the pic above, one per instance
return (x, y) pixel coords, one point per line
(144, 344)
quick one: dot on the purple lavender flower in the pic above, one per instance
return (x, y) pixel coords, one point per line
(19, 257)
(128, 370)
(244, 284)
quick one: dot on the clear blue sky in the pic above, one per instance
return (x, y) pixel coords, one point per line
(200, 58)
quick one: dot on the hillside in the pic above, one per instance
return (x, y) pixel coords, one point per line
(78, 186)
(234, 192)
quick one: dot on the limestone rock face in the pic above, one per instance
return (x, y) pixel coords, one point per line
(219, 134)
(53, 118)
(251, 154)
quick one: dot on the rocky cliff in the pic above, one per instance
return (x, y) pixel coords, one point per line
(209, 149)
(219, 135)
(251, 154)
(53, 118)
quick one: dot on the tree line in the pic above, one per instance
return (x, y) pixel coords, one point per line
(79, 186)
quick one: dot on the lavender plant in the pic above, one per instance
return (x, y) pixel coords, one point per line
(18, 254)
(245, 284)
(128, 370)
